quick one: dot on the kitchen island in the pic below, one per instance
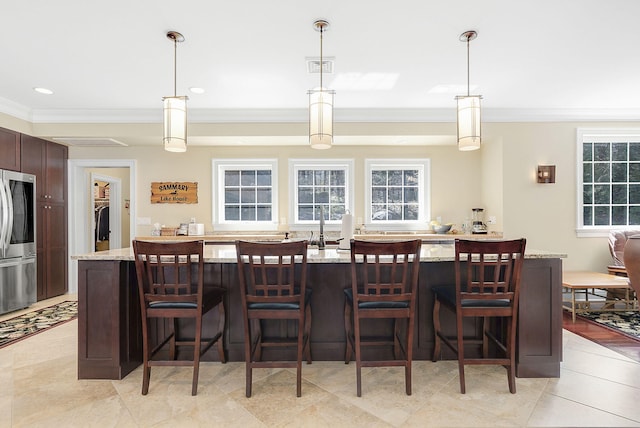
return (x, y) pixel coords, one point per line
(110, 338)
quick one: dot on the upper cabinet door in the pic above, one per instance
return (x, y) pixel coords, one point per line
(9, 149)
(56, 178)
(33, 162)
(47, 161)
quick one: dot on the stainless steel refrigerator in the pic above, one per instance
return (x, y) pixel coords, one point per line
(18, 273)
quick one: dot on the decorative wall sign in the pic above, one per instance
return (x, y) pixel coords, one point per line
(170, 192)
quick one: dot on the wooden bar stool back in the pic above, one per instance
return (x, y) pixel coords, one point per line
(487, 286)
(384, 280)
(171, 286)
(272, 281)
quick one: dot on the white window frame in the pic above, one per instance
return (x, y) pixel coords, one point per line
(589, 135)
(347, 165)
(424, 194)
(218, 168)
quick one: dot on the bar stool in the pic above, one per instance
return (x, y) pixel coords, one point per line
(384, 280)
(272, 281)
(171, 286)
(487, 285)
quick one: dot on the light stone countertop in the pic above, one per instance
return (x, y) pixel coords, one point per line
(221, 238)
(227, 254)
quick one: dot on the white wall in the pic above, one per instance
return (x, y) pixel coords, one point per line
(455, 185)
(500, 177)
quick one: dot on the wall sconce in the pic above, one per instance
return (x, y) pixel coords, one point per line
(546, 173)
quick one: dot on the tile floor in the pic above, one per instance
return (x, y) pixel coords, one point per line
(39, 388)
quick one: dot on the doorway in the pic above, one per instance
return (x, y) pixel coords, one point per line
(82, 206)
(107, 215)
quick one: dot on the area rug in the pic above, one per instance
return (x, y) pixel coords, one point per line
(23, 326)
(627, 323)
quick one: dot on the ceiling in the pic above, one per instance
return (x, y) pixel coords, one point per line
(402, 61)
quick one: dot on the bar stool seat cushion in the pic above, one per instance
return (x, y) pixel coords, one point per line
(348, 292)
(447, 294)
(280, 306)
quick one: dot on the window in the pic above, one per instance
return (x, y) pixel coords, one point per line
(608, 180)
(396, 193)
(245, 194)
(320, 185)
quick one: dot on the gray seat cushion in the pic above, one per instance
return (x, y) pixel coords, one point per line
(348, 292)
(447, 294)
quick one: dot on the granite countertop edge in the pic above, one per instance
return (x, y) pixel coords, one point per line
(225, 253)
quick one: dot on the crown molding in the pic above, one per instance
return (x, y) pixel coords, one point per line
(16, 110)
(345, 115)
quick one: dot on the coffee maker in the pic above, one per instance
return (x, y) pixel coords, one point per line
(477, 226)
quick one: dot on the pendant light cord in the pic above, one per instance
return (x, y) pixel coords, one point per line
(321, 63)
(468, 84)
(175, 67)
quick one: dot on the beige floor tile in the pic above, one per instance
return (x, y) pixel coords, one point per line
(615, 398)
(554, 411)
(38, 376)
(104, 413)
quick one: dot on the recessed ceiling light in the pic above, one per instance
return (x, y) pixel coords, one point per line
(43, 91)
(197, 90)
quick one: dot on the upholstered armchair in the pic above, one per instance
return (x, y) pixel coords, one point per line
(631, 260)
(617, 241)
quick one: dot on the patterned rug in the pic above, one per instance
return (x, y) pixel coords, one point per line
(23, 326)
(627, 323)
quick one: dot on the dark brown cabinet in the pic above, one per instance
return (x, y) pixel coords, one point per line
(48, 162)
(109, 326)
(9, 149)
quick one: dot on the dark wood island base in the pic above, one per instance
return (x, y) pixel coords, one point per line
(110, 338)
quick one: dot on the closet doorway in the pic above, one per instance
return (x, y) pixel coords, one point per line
(106, 205)
(81, 207)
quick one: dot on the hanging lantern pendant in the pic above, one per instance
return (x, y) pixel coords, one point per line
(321, 105)
(175, 107)
(468, 111)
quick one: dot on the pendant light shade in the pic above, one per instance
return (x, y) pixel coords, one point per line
(175, 109)
(468, 112)
(175, 124)
(469, 136)
(321, 105)
(320, 119)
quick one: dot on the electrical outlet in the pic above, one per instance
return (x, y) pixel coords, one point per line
(492, 219)
(144, 220)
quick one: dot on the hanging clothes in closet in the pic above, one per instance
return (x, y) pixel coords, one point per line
(102, 223)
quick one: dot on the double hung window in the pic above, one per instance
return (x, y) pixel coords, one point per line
(320, 186)
(245, 194)
(396, 193)
(608, 180)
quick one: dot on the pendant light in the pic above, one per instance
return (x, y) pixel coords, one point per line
(175, 108)
(321, 105)
(469, 136)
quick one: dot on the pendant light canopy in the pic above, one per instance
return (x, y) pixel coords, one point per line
(469, 135)
(321, 105)
(175, 108)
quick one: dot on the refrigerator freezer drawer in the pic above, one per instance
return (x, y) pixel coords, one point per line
(18, 286)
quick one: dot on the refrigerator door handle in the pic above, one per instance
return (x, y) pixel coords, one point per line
(9, 225)
(4, 217)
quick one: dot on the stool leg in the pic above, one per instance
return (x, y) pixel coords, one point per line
(221, 325)
(307, 334)
(436, 328)
(348, 333)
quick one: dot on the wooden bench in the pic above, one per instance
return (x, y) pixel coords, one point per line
(586, 283)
